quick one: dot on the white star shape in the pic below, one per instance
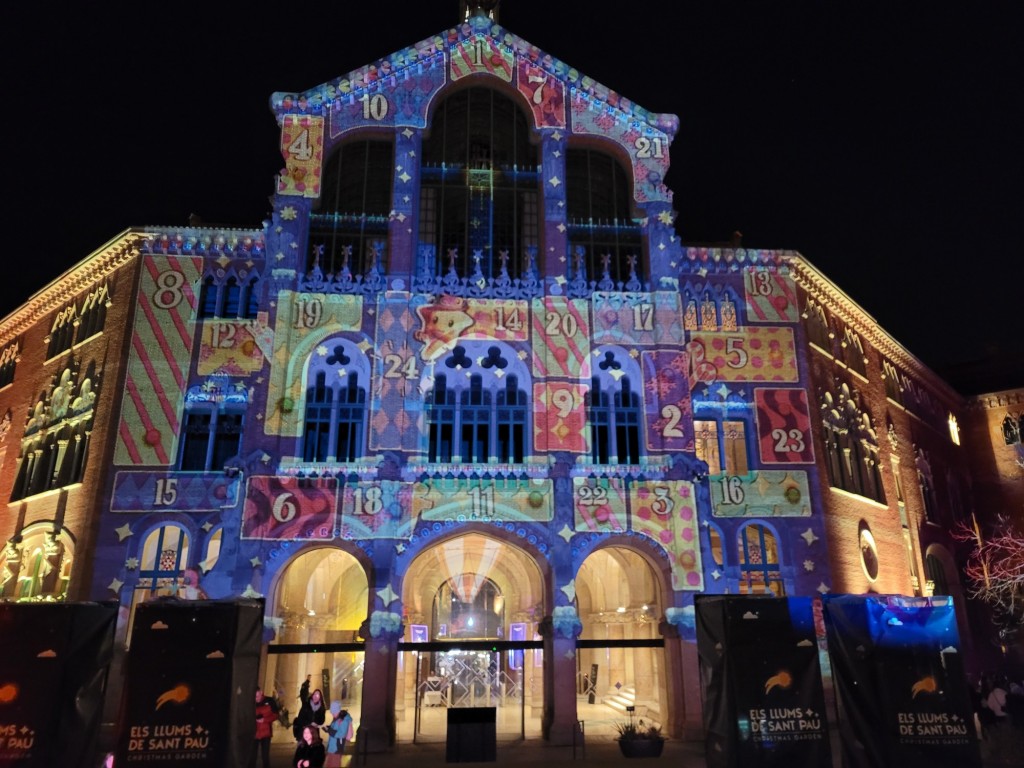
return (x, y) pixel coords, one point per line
(566, 533)
(557, 136)
(256, 562)
(823, 588)
(123, 532)
(554, 181)
(723, 392)
(399, 547)
(131, 563)
(404, 178)
(387, 595)
(207, 526)
(716, 574)
(570, 654)
(115, 585)
(322, 351)
(561, 227)
(808, 565)
(570, 590)
(809, 537)
(556, 153)
(407, 133)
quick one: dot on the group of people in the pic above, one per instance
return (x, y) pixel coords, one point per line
(997, 700)
(310, 750)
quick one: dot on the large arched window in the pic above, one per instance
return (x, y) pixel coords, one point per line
(851, 445)
(478, 408)
(760, 571)
(468, 606)
(614, 409)
(354, 206)
(479, 185)
(599, 194)
(335, 422)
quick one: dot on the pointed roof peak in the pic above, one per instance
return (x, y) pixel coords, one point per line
(486, 8)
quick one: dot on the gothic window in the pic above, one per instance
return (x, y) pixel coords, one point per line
(8, 362)
(334, 420)
(936, 575)
(853, 352)
(250, 301)
(818, 332)
(62, 331)
(45, 564)
(230, 299)
(94, 314)
(479, 184)
(232, 296)
(926, 481)
(481, 418)
(335, 409)
(210, 437)
(613, 410)
(715, 546)
(851, 445)
(208, 295)
(599, 196)
(57, 437)
(760, 571)
(722, 443)
(354, 204)
(892, 382)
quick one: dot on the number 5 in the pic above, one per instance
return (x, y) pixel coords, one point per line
(735, 347)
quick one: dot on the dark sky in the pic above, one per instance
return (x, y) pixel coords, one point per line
(882, 140)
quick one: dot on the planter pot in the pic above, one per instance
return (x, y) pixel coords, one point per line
(641, 747)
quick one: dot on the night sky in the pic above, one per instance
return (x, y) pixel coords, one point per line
(882, 140)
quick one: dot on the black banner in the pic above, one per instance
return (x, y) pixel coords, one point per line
(190, 684)
(900, 682)
(764, 704)
(53, 673)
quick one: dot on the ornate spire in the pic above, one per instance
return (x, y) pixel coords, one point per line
(471, 8)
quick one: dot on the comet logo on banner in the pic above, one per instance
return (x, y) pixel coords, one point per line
(8, 693)
(179, 695)
(924, 685)
(781, 680)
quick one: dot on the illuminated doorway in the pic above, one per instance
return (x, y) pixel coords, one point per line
(321, 600)
(620, 657)
(472, 607)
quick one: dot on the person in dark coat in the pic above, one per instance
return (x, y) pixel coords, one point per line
(313, 712)
(310, 751)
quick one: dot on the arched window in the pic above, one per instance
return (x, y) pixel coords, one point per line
(851, 445)
(250, 300)
(479, 184)
(468, 606)
(853, 352)
(599, 196)
(483, 417)
(208, 296)
(232, 297)
(354, 205)
(335, 416)
(210, 437)
(614, 414)
(818, 331)
(760, 571)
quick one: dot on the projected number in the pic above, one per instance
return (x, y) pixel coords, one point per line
(368, 502)
(308, 313)
(300, 149)
(734, 347)
(761, 283)
(374, 107)
(732, 490)
(507, 321)
(168, 289)
(398, 367)
(482, 502)
(788, 442)
(592, 497)
(561, 325)
(284, 509)
(475, 53)
(648, 148)
(674, 416)
(643, 317)
(222, 336)
(166, 492)
(563, 401)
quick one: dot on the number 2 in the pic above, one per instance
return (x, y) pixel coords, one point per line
(791, 442)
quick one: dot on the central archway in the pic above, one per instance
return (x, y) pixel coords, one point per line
(472, 604)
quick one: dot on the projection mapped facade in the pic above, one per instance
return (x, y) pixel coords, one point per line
(466, 411)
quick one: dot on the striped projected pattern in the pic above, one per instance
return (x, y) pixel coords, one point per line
(160, 351)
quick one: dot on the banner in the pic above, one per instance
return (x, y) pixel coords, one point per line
(190, 684)
(900, 682)
(764, 704)
(53, 673)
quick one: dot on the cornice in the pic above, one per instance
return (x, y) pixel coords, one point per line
(99, 265)
(827, 293)
(996, 400)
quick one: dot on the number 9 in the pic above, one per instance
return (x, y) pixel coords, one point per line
(563, 401)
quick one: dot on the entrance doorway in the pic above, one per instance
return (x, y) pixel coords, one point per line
(472, 605)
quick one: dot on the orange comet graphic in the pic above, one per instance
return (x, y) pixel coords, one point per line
(925, 684)
(783, 680)
(8, 693)
(179, 695)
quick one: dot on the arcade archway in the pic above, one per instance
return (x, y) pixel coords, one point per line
(472, 604)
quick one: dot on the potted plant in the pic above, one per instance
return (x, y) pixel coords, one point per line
(639, 739)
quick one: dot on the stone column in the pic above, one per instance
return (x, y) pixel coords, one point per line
(380, 675)
(559, 632)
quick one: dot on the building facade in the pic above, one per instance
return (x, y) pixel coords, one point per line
(467, 412)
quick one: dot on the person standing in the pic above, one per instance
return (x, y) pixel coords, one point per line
(310, 751)
(265, 717)
(304, 692)
(339, 733)
(314, 713)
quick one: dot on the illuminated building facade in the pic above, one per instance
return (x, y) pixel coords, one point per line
(466, 411)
